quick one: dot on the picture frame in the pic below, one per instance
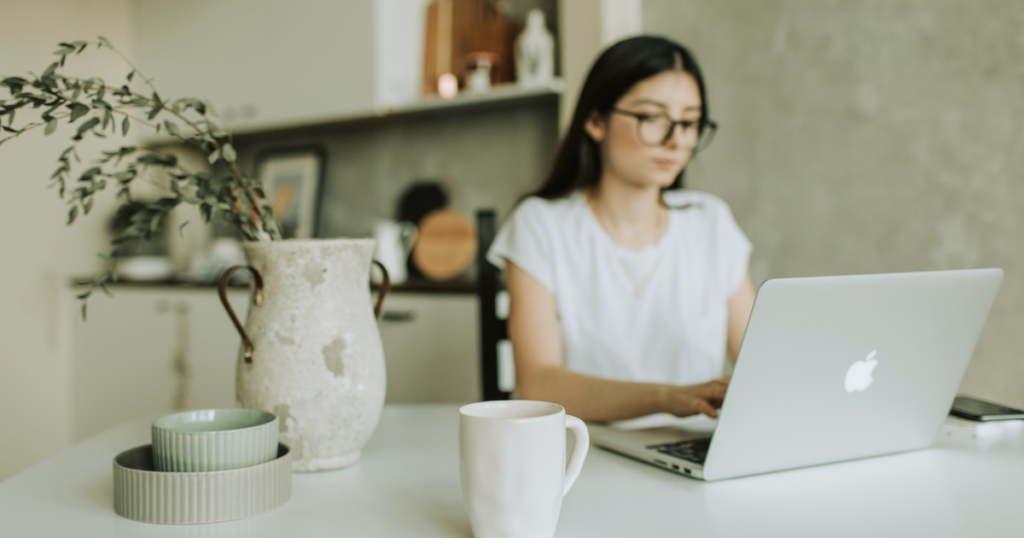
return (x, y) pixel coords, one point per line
(292, 180)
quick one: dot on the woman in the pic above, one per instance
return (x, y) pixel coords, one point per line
(626, 291)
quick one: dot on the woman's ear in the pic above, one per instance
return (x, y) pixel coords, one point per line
(595, 127)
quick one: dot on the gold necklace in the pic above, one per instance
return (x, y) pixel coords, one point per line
(638, 285)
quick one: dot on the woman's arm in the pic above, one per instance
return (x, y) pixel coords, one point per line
(740, 305)
(536, 335)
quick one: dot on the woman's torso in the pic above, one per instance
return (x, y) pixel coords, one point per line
(654, 315)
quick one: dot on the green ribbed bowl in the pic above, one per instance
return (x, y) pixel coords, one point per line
(214, 440)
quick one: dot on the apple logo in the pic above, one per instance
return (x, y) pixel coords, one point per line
(858, 377)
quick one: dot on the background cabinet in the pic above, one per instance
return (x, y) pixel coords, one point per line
(128, 355)
(432, 348)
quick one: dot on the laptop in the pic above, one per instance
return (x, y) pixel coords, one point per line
(831, 369)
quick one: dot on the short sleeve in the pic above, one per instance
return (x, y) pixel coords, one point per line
(524, 239)
(731, 248)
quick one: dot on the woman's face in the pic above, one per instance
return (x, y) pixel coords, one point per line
(627, 153)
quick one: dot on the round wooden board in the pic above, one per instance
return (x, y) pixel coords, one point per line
(445, 246)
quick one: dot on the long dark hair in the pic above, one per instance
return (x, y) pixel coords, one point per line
(577, 164)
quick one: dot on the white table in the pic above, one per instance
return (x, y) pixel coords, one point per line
(407, 484)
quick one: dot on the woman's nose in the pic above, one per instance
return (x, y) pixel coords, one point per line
(678, 137)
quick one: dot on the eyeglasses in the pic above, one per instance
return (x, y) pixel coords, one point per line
(656, 129)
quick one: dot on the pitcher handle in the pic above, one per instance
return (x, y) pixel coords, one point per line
(385, 287)
(579, 451)
(257, 300)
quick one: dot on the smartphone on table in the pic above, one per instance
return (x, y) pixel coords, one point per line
(975, 409)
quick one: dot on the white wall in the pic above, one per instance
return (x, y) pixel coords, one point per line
(398, 35)
(38, 251)
(585, 28)
(262, 62)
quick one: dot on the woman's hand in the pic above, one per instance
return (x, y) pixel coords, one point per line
(693, 399)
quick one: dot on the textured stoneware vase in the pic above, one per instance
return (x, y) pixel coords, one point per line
(311, 351)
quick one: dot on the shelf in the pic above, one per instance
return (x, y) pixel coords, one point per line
(498, 97)
(411, 286)
(434, 106)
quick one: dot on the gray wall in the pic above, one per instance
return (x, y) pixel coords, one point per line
(487, 158)
(871, 136)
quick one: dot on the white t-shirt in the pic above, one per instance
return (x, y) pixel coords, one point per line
(654, 315)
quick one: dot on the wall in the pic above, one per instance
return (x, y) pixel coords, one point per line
(487, 158)
(39, 252)
(871, 136)
(255, 59)
(585, 28)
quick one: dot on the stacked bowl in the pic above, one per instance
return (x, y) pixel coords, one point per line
(204, 466)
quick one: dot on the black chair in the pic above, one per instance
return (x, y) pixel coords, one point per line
(492, 328)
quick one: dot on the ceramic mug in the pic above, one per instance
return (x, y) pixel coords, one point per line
(512, 465)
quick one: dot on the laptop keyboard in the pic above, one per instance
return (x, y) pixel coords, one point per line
(695, 450)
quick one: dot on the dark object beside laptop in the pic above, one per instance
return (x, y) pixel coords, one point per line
(975, 409)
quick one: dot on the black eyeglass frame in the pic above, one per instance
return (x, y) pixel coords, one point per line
(703, 141)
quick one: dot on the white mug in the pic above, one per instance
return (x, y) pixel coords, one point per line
(512, 465)
(394, 242)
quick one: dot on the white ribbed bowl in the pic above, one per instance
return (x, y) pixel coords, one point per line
(214, 440)
(143, 494)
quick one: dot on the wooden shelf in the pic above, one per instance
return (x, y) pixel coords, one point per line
(434, 106)
(410, 286)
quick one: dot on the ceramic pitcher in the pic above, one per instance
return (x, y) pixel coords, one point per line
(311, 351)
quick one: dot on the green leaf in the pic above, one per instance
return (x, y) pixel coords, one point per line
(181, 228)
(108, 118)
(48, 114)
(131, 75)
(153, 112)
(172, 128)
(88, 125)
(214, 157)
(72, 214)
(104, 41)
(229, 153)
(83, 311)
(77, 111)
(124, 126)
(88, 205)
(64, 51)
(51, 126)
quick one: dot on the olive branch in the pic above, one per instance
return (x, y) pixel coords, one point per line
(97, 108)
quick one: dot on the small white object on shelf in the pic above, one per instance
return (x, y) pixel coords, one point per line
(535, 53)
(964, 427)
(145, 268)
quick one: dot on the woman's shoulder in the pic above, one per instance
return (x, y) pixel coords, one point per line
(687, 199)
(701, 211)
(543, 210)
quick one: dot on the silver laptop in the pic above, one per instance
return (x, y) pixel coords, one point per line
(831, 369)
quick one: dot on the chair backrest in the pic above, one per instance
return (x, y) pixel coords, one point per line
(493, 329)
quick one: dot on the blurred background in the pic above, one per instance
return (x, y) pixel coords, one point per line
(855, 137)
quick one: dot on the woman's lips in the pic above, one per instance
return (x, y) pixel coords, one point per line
(667, 164)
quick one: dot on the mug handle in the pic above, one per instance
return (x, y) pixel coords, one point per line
(579, 452)
(382, 292)
(256, 300)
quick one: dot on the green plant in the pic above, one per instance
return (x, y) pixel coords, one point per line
(98, 107)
